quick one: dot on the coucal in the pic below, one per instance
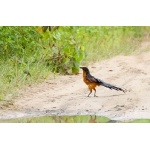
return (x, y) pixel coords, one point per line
(92, 82)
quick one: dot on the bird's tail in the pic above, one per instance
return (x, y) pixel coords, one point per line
(110, 86)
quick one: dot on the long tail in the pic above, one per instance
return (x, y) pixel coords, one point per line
(110, 86)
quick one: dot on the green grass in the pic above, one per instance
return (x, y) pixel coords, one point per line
(13, 78)
(115, 43)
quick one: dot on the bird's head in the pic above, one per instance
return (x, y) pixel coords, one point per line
(85, 69)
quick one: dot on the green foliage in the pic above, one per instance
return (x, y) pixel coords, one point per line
(20, 58)
(18, 41)
(64, 49)
(27, 54)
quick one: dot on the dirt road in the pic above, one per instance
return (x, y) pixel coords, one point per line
(67, 95)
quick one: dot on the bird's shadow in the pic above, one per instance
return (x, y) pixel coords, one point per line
(114, 95)
(108, 95)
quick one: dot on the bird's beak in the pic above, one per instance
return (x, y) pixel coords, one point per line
(81, 67)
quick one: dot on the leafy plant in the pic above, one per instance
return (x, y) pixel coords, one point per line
(64, 49)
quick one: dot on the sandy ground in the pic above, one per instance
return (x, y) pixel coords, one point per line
(67, 95)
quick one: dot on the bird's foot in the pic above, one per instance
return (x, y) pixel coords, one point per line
(95, 96)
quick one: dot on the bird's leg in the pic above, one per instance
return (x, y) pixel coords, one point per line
(90, 92)
(95, 93)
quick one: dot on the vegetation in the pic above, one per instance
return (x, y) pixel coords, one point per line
(29, 54)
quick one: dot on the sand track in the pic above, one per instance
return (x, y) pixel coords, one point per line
(68, 94)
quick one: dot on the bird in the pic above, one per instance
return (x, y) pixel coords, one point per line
(92, 82)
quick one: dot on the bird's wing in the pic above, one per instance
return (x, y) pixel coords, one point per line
(91, 78)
